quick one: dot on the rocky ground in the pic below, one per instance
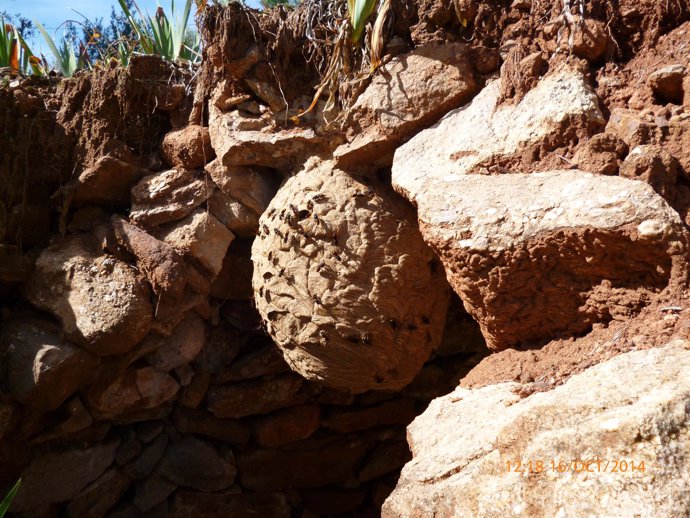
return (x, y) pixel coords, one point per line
(213, 306)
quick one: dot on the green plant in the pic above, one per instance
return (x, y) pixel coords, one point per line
(7, 501)
(157, 35)
(15, 54)
(68, 62)
(347, 66)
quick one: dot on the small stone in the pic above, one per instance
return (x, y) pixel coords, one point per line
(387, 457)
(150, 457)
(181, 347)
(259, 396)
(667, 83)
(590, 40)
(256, 362)
(243, 195)
(199, 422)
(168, 196)
(151, 491)
(194, 463)
(133, 390)
(431, 80)
(43, 370)
(187, 148)
(163, 266)
(61, 476)
(309, 463)
(286, 426)
(201, 236)
(99, 496)
(186, 504)
(108, 182)
(400, 411)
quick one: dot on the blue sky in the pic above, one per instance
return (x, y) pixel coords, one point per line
(52, 13)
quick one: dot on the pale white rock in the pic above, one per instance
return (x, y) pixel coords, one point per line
(541, 255)
(632, 408)
(484, 130)
(239, 140)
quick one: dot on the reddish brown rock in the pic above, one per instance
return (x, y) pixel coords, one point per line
(99, 496)
(307, 464)
(667, 83)
(62, 475)
(186, 504)
(257, 396)
(602, 154)
(201, 236)
(400, 411)
(107, 182)
(187, 148)
(103, 304)
(43, 370)
(181, 347)
(133, 390)
(590, 40)
(163, 266)
(286, 426)
(655, 166)
(194, 463)
(168, 196)
(259, 360)
(198, 422)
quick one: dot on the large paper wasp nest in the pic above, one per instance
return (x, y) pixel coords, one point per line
(345, 284)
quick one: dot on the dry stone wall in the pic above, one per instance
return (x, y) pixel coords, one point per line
(209, 309)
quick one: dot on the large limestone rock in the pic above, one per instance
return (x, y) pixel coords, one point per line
(42, 369)
(611, 419)
(536, 255)
(486, 134)
(103, 303)
(408, 93)
(345, 284)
